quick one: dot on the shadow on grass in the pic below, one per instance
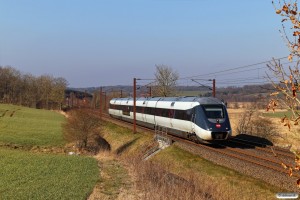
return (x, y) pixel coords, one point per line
(102, 144)
(122, 148)
(3, 114)
(243, 141)
(257, 141)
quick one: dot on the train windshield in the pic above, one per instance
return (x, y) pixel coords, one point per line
(213, 111)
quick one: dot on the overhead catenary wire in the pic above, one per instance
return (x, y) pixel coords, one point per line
(241, 70)
(235, 68)
(226, 72)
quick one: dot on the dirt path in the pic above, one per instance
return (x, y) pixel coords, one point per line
(115, 179)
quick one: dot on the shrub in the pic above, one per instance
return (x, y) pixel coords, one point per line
(83, 127)
(253, 123)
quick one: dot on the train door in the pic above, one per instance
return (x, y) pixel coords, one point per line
(171, 116)
(193, 117)
(148, 112)
(144, 118)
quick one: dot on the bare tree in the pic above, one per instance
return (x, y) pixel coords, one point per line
(81, 126)
(25, 89)
(57, 95)
(166, 80)
(286, 81)
(10, 84)
(252, 122)
(29, 89)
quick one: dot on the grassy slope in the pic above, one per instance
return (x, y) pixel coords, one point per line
(30, 127)
(27, 175)
(224, 177)
(123, 139)
(182, 162)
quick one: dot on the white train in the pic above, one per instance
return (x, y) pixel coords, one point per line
(195, 118)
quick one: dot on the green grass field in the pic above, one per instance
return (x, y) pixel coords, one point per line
(27, 175)
(278, 114)
(30, 127)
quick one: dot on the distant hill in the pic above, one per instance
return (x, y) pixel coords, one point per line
(247, 93)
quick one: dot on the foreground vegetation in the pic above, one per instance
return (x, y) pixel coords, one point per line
(26, 175)
(28, 127)
(173, 173)
(32, 174)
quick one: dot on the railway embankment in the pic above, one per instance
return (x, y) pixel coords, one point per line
(177, 172)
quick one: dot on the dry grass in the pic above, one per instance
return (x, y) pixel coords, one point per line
(154, 181)
(171, 174)
(127, 178)
(234, 116)
(288, 138)
(114, 181)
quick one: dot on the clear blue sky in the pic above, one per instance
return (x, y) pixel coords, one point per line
(108, 42)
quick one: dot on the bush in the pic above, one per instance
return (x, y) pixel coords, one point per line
(253, 123)
(84, 128)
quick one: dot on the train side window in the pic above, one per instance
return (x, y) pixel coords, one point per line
(141, 109)
(180, 114)
(153, 111)
(164, 112)
(150, 111)
(189, 114)
(171, 113)
(177, 114)
(147, 110)
(158, 112)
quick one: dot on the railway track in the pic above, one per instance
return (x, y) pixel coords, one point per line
(268, 157)
(252, 157)
(264, 147)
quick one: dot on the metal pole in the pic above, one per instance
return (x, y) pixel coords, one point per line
(95, 99)
(150, 92)
(121, 93)
(104, 101)
(214, 87)
(85, 99)
(72, 99)
(100, 102)
(134, 105)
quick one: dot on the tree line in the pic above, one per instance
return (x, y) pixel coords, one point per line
(45, 91)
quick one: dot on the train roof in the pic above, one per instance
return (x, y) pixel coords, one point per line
(201, 100)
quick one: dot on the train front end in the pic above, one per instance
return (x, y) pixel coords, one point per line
(212, 121)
